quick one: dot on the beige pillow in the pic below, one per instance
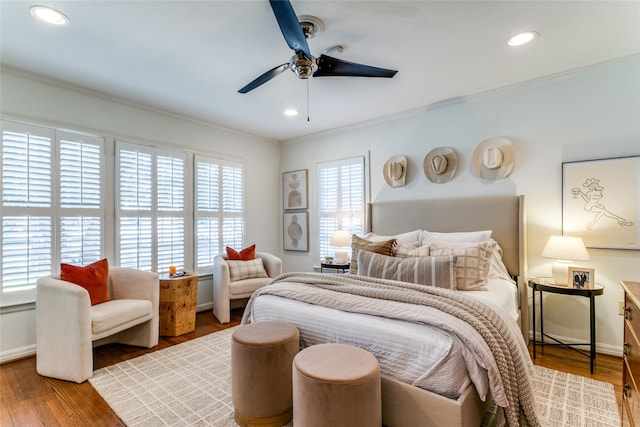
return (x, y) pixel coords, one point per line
(406, 250)
(359, 244)
(431, 271)
(472, 262)
(252, 269)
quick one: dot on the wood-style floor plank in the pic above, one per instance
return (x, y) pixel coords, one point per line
(28, 399)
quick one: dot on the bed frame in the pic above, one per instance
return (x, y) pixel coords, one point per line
(403, 404)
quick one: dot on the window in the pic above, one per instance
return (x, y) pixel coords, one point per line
(81, 218)
(52, 199)
(150, 213)
(341, 199)
(219, 208)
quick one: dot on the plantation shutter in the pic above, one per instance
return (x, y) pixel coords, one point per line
(135, 200)
(170, 172)
(151, 212)
(80, 231)
(52, 199)
(232, 206)
(219, 208)
(340, 200)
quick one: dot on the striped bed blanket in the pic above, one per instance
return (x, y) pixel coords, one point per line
(494, 338)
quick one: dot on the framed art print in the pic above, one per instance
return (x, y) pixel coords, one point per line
(294, 189)
(601, 202)
(296, 231)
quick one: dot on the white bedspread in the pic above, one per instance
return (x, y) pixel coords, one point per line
(415, 354)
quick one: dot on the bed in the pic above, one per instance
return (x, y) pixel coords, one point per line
(411, 393)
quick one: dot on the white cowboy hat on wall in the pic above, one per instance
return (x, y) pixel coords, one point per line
(395, 171)
(493, 158)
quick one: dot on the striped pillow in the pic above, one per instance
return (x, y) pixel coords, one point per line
(472, 262)
(252, 269)
(431, 271)
(359, 244)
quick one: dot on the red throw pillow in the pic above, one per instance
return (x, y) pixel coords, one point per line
(93, 277)
(245, 254)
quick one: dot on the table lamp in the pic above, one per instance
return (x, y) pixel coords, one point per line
(341, 239)
(564, 249)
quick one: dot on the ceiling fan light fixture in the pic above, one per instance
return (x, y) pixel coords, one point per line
(49, 15)
(302, 66)
(290, 113)
(522, 38)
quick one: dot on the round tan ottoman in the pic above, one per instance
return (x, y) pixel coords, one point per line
(336, 385)
(261, 358)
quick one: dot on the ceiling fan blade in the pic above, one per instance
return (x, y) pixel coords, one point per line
(264, 78)
(290, 27)
(329, 66)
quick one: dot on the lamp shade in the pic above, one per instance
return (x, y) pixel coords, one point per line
(341, 239)
(566, 248)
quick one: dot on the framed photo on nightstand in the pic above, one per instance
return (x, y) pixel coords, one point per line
(581, 277)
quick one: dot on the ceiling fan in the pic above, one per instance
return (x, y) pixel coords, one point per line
(303, 64)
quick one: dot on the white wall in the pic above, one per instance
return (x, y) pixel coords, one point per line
(44, 102)
(589, 114)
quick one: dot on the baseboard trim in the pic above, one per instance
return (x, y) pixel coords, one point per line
(608, 349)
(204, 307)
(17, 353)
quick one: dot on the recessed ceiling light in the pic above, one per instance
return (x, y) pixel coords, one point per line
(49, 15)
(290, 113)
(522, 38)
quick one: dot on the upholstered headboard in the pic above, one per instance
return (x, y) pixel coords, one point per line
(505, 215)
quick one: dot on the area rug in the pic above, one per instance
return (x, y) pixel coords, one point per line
(189, 385)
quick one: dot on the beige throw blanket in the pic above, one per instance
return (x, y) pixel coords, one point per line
(495, 340)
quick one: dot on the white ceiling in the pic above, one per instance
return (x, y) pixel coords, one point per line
(191, 57)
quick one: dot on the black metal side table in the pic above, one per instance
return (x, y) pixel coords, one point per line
(546, 285)
(341, 268)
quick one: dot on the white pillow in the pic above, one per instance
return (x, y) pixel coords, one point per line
(408, 237)
(497, 269)
(406, 250)
(430, 271)
(463, 236)
(472, 261)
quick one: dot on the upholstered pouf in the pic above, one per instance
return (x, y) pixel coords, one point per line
(336, 385)
(261, 359)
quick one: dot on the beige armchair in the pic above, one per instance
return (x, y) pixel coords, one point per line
(68, 326)
(226, 292)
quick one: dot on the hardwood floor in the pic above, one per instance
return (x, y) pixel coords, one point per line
(28, 399)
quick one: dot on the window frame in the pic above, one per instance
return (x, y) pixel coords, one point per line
(220, 214)
(344, 219)
(153, 214)
(23, 294)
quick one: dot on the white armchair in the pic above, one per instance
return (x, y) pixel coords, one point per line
(225, 291)
(68, 326)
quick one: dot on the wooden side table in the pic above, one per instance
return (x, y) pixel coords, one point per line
(341, 268)
(547, 285)
(178, 299)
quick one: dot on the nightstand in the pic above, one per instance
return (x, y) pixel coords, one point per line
(341, 268)
(548, 285)
(631, 353)
(178, 299)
